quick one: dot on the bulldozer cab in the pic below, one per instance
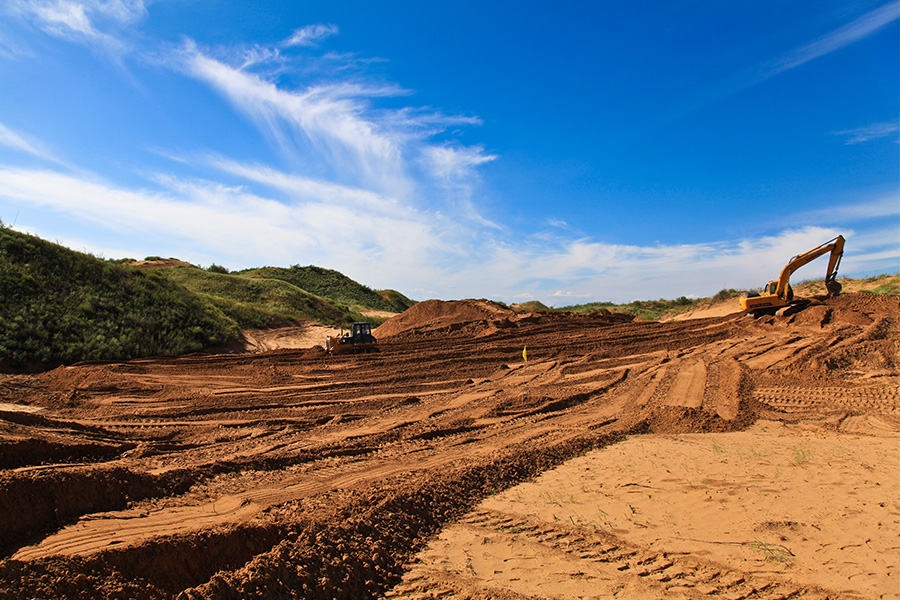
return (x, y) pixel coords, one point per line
(359, 339)
(358, 330)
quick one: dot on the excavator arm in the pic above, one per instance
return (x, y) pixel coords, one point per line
(778, 293)
(835, 246)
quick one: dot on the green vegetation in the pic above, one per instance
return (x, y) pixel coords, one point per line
(334, 286)
(726, 294)
(887, 287)
(648, 310)
(772, 552)
(62, 306)
(395, 299)
(257, 302)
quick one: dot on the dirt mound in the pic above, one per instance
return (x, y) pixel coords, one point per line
(529, 306)
(433, 315)
(158, 263)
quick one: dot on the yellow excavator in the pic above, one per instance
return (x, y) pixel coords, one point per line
(779, 293)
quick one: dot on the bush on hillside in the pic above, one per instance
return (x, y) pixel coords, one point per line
(62, 306)
(255, 302)
(214, 268)
(333, 285)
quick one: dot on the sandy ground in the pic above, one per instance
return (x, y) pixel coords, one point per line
(720, 457)
(818, 509)
(719, 309)
(295, 337)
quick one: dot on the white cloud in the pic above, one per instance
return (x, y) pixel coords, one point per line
(870, 132)
(311, 35)
(858, 29)
(334, 129)
(92, 22)
(308, 189)
(26, 144)
(11, 139)
(236, 226)
(324, 121)
(381, 243)
(877, 208)
(452, 164)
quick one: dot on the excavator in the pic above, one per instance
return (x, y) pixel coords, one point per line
(360, 339)
(779, 293)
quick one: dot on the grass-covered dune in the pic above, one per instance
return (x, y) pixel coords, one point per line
(334, 286)
(59, 306)
(260, 302)
(62, 306)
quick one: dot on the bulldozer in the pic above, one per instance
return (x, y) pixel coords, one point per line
(358, 339)
(779, 293)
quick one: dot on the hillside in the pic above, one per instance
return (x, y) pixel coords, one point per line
(648, 310)
(62, 306)
(335, 286)
(259, 302)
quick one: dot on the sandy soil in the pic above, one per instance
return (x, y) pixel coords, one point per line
(633, 519)
(721, 457)
(303, 336)
(718, 309)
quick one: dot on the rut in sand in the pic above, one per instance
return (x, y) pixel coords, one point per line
(292, 474)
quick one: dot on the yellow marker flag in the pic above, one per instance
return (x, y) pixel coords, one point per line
(525, 353)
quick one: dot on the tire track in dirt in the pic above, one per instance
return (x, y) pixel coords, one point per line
(274, 438)
(583, 563)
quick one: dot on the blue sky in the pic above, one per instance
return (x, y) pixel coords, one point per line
(565, 152)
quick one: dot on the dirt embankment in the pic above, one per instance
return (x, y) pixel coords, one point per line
(472, 317)
(289, 473)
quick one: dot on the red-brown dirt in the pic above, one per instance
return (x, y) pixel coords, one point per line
(292, 474)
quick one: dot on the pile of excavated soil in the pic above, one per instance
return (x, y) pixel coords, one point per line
(433, 315)
(290, 473)
(477, 318)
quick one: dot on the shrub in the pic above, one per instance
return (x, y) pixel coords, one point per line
(62, 306)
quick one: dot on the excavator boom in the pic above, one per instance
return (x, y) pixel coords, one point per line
(835, 246)
(779, 293)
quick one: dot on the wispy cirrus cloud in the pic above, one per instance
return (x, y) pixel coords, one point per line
(28, 145)
(854, 31)
(857, 30)
(96, 23)
(875, 208)
(311, 35)
(335, 130)
(876, 131)
(455, 168)
(324, 122)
